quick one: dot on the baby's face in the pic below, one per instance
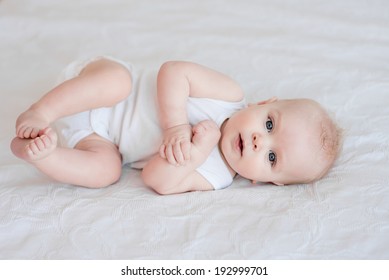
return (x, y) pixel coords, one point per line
(273, 142)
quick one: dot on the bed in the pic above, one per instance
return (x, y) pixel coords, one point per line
(336, 52)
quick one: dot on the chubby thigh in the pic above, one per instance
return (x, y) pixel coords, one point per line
(103, 162)
(97, 156)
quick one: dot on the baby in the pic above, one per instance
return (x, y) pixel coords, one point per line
(191, 130)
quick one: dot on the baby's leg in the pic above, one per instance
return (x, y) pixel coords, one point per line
(94, 163)
(102, 83)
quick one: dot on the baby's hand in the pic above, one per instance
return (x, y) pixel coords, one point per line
(206, 135)
(176, 144)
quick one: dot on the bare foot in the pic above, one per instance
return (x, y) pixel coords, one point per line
(35, 149)
(30, 124)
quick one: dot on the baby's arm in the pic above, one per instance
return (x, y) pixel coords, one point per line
(176, 82)
(166, 178)
(174, 171)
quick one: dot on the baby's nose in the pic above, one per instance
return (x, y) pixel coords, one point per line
(257, 141)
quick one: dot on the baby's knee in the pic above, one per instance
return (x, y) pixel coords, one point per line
(112, 76)
(104, 179)
(106, 171)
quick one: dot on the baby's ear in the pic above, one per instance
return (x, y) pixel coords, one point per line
(268, 101)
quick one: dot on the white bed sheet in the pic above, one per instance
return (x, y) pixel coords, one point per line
(336, 52)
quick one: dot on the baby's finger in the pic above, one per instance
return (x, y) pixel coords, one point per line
(170, 156)
(178, 153)
(162, 151)
(185, 148)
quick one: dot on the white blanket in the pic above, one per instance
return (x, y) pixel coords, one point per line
(336, 52)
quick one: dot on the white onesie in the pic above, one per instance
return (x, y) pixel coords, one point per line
(133, 124)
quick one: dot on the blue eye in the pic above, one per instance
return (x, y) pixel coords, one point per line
(272, 158)
(269, 124)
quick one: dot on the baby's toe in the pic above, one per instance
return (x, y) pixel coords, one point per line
(39, 143)
(20, 131)
(32, 148)
(34, 132)
(46, 141)
(51, 134)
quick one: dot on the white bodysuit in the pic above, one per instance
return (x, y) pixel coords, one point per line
(133, 124)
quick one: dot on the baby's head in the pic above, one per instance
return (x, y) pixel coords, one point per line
(281, 141)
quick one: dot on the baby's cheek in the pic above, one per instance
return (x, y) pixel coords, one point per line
(249, 170)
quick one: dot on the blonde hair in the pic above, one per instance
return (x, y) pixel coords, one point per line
(331, 138)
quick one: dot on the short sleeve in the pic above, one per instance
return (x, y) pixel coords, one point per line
(215, 171)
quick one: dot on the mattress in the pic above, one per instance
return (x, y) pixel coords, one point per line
(335, 52)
